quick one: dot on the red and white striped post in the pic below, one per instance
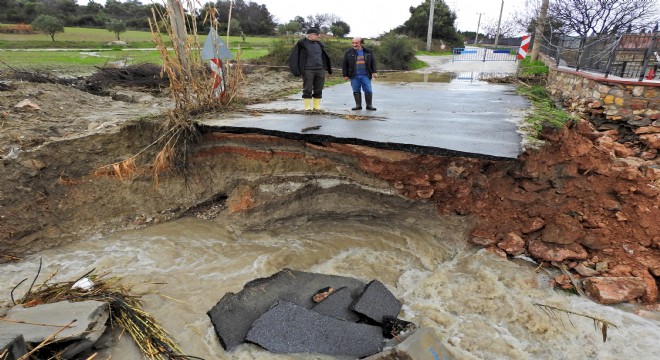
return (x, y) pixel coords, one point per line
(524, 46)
(218, 78)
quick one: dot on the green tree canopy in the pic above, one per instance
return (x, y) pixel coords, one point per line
(290, 28)
(116, 26)
(340, 28)
(255, 19)
(443, 21)
(48, 24)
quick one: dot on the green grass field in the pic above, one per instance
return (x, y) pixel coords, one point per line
(65, 52)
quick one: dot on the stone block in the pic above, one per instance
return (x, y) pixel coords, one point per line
(377, 301)
(287, 328)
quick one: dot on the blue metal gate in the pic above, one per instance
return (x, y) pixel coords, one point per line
(504, 53)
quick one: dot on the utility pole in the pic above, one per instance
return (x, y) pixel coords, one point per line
(540, 29)
(178, 24)
(231, 5)
(429, 32)
(476, 36)
(499, 21)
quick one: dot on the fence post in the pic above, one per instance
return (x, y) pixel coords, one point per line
(579, 57)
(560, 48)
(647, 54)
(612, 56)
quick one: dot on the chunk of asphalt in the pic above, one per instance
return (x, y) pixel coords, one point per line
(87, 321)
(377, 301)
(337, 305)
(12, 346)
(287, 328)
(420, 344)
(234, 314)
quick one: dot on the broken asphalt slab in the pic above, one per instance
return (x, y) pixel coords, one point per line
(82, 323)
(376, 302)
(233, 316)
(287, 328)
(337, 305)
(474, 119)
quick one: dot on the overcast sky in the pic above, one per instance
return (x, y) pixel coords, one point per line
(370, 18)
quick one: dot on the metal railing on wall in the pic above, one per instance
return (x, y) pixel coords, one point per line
(626, 55)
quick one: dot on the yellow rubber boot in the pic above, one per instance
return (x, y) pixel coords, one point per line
(308, 104)
(317, 104)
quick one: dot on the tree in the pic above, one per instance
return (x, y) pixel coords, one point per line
(255, 19)
(591, 17)
(339, 28)
(507, 29)
(116, 26)
(443, 21)
(48, 24)
(290, 28)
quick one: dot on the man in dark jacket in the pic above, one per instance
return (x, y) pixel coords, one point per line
(309, 60)
(359, 65)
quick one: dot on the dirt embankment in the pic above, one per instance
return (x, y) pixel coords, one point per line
(571, 203)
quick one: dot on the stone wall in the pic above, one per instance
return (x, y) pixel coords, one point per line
(630, 110)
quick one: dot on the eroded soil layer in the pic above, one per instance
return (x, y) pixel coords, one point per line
(571, 203)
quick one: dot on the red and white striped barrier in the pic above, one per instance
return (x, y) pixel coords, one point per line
(218, 77)
(524, 46)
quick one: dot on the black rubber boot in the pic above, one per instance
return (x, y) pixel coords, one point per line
(368, 98)
(358, 101)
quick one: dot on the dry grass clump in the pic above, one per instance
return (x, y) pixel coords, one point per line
(125, 312)
(191, 85)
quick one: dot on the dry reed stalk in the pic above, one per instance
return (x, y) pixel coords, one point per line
(126, 312)
(46, 341)
(191, 88)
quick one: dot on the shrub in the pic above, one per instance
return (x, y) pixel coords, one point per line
(16, 29)
(395, 52)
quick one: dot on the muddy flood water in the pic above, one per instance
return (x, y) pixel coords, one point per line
(481, 306)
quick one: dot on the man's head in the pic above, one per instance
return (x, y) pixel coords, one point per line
(357, 43)
(313, 34)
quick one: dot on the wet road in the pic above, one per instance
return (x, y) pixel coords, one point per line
(443, 109)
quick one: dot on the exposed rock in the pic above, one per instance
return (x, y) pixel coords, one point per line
(554, 252)
(596, 238)
(27, 104)
(650, 296)
(532, 224)
(563, 229)
(290, 328)
(483, 241)
(585, 270)
(420, 344)
(614, 290)
(377, 301)
(513, 244)
(89, 322)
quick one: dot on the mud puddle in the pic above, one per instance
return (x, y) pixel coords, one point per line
(441, 77)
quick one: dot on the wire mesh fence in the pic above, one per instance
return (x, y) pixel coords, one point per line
(627, 55)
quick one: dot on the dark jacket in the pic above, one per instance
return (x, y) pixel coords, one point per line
(298, 58)
(350, 57)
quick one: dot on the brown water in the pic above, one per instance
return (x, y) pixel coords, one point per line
(482, 307)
